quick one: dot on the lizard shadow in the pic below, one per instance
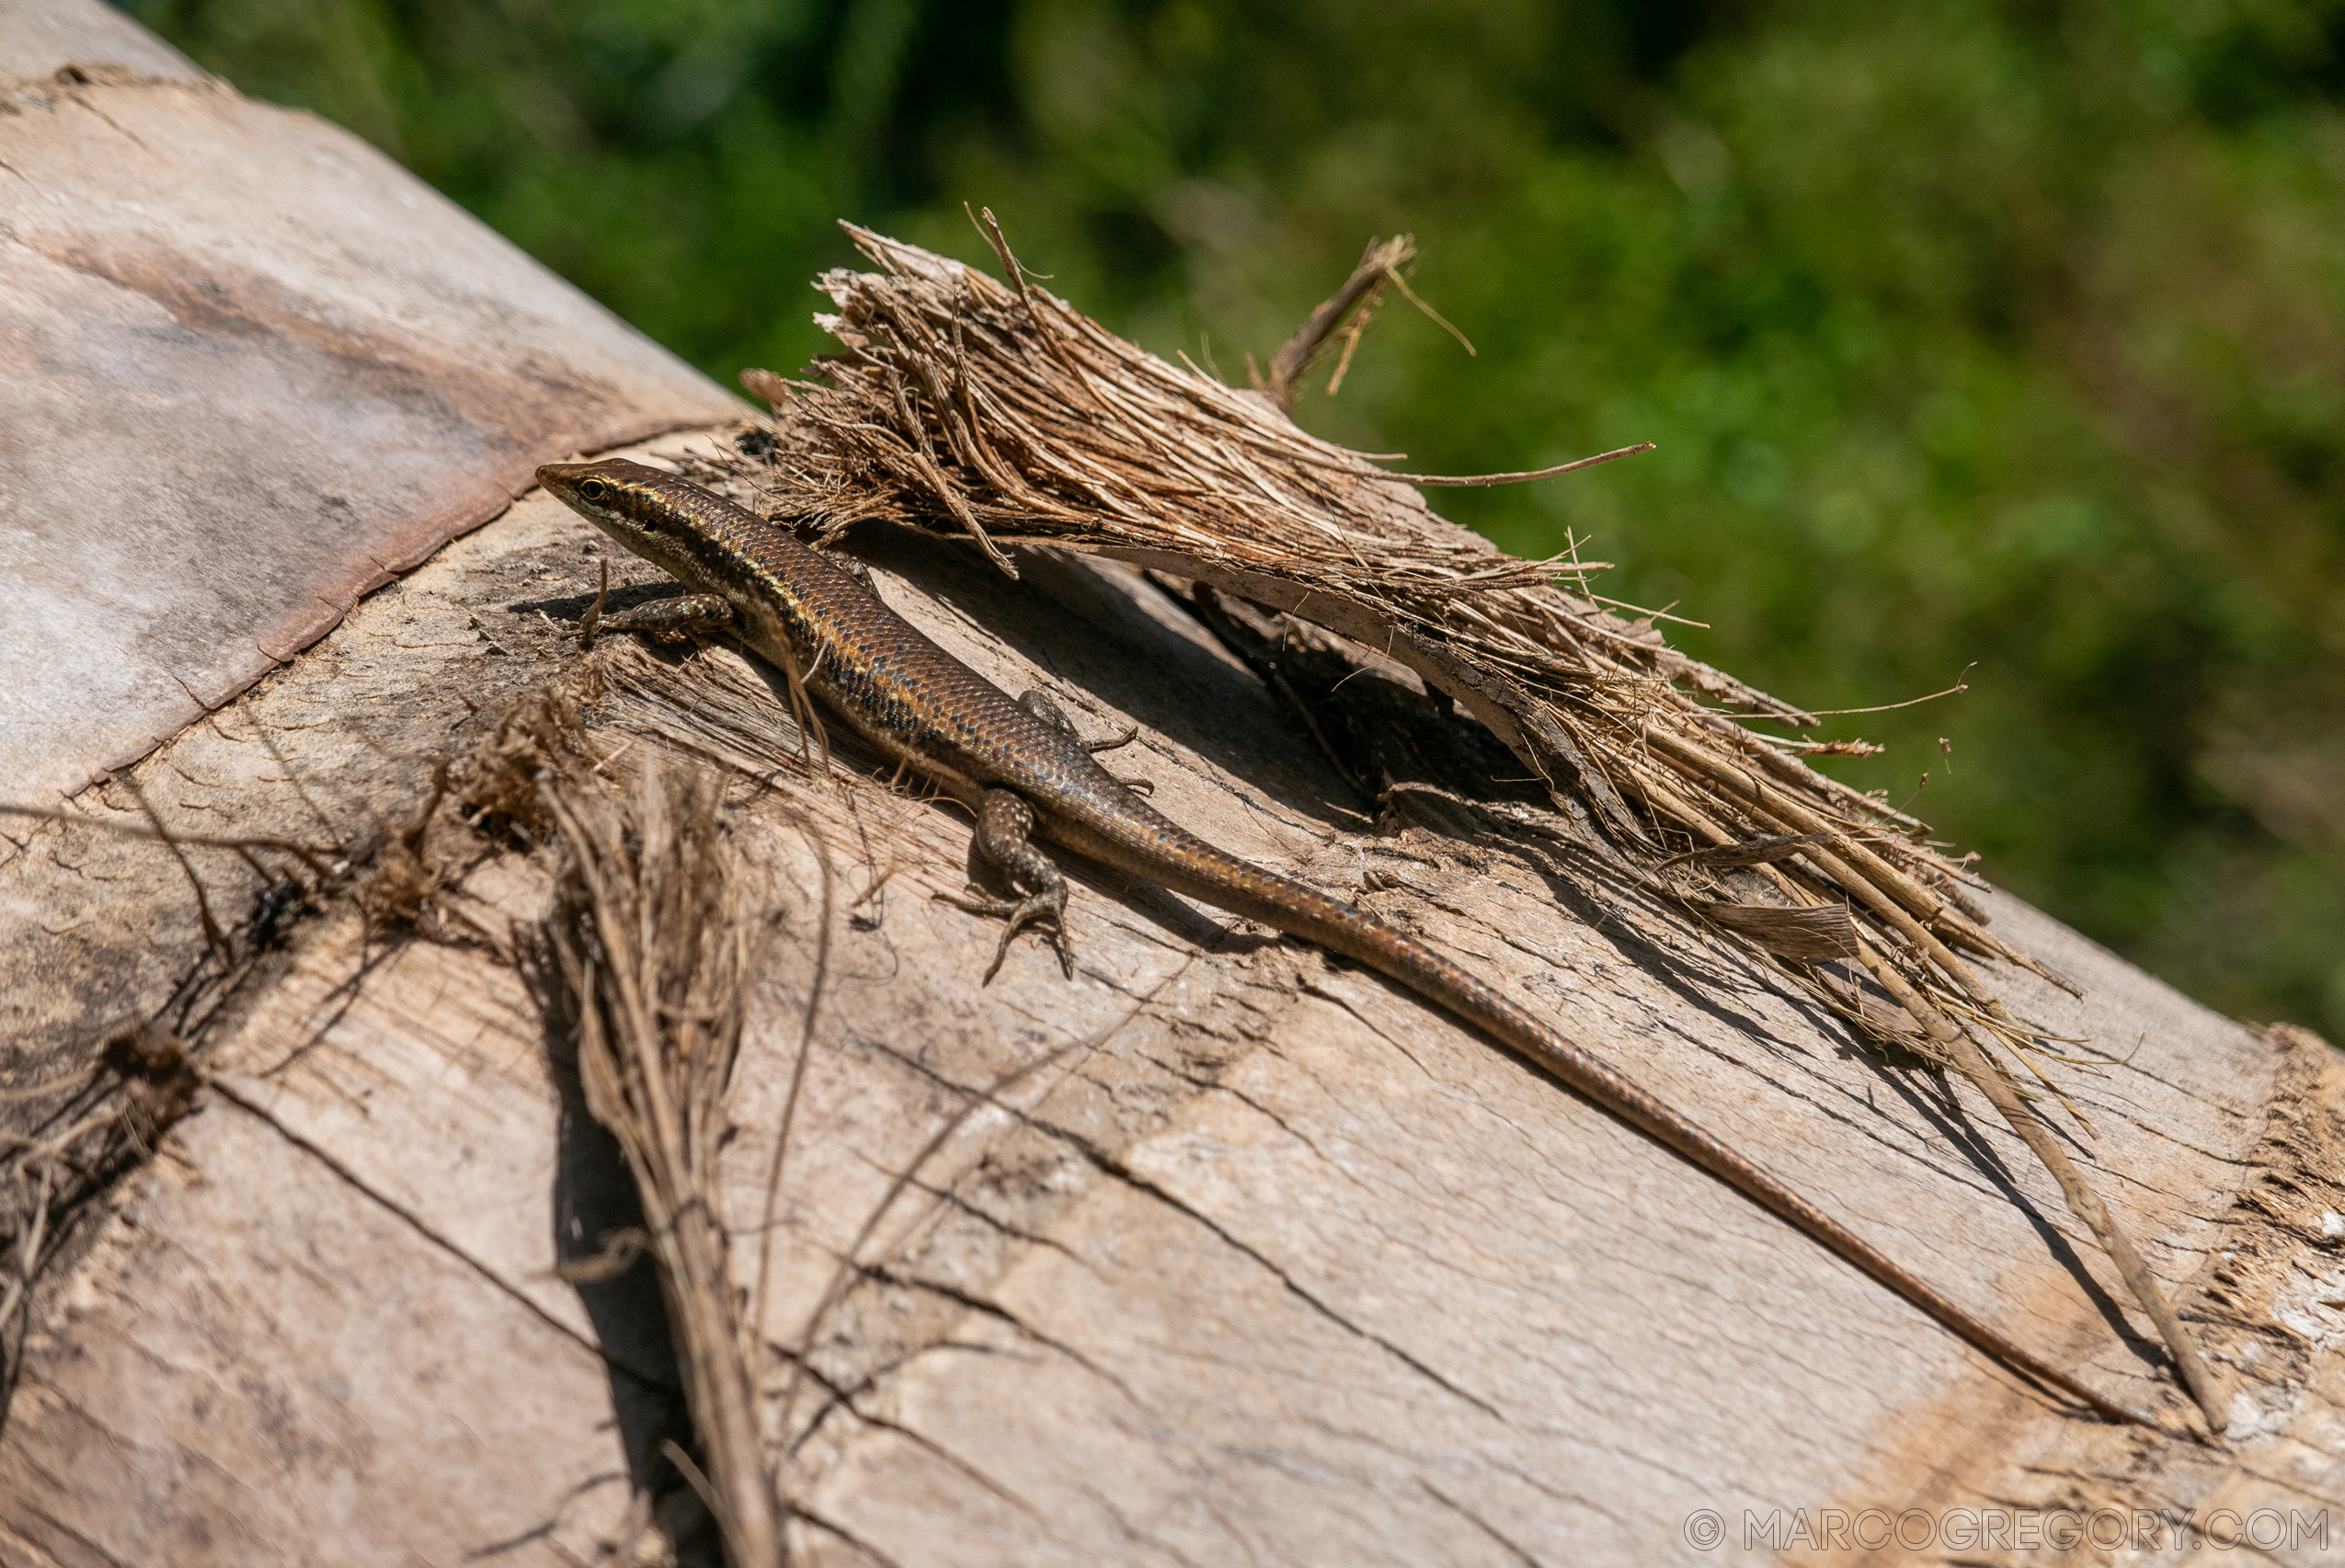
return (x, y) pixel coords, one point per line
(570, 608)
(1205, 696)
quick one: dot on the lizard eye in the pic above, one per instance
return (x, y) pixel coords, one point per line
(593, 489)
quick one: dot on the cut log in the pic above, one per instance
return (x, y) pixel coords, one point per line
(1217, 1253)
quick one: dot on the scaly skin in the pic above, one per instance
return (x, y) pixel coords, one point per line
(1023, 769)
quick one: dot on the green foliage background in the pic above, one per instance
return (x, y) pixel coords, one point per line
(1992, 331)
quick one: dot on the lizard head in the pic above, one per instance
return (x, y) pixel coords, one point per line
(622, 499)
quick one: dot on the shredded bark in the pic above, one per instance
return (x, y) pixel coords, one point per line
(67, 1137)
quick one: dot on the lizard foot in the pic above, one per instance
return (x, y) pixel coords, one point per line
(677, 620)
(1005, 839)
(1020, 913)
(1045, 707)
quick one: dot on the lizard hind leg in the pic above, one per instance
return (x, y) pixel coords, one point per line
(1005, 837)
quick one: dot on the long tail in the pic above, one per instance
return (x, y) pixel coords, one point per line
(1189, 866)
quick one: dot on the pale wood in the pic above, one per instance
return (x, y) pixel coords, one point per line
(249, 370)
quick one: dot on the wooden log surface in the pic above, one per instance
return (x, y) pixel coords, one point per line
(1217, 1253)
(249, 370)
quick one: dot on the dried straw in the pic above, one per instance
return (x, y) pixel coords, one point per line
(656, 948)
(970, 406)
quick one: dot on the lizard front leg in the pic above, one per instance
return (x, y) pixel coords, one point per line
(676, 619)
(1005, 837)
(682, 619)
